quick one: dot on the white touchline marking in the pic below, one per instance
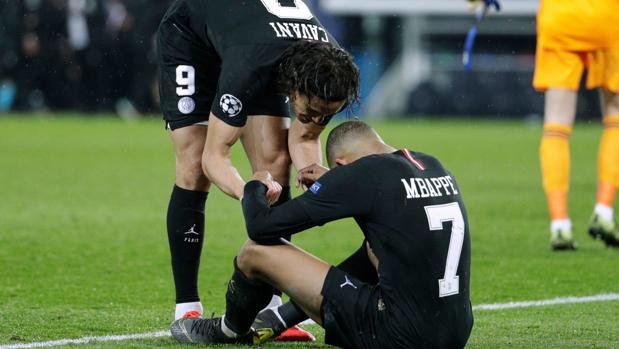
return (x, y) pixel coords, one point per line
(85, 340)
(497, 306)
(562, 300)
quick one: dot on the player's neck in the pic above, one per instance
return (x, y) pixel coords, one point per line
(381, 148)
(374, 148)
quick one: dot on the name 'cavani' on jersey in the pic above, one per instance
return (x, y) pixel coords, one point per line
(222, 56)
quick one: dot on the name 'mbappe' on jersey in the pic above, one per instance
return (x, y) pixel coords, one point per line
(429, 187)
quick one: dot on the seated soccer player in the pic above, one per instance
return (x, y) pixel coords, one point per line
(410, 211)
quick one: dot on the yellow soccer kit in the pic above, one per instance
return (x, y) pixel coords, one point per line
(573, 35)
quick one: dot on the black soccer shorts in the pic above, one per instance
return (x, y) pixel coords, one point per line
(353, 312)
(190, 71)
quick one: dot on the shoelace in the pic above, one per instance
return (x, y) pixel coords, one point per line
(206, 327)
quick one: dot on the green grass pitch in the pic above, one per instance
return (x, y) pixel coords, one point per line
(83, 247)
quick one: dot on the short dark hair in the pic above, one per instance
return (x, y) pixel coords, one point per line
(319, 69)
(342, 134)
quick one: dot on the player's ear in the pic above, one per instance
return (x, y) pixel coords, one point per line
(341, 162)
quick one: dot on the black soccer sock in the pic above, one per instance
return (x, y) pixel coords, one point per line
(186, 235)
(359, 266)
(244, 300)
(291, 313)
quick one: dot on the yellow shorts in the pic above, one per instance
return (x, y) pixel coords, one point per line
(558, 68)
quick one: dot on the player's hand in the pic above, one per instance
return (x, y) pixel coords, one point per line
(274, 189)
(308, 175)
(475, 4)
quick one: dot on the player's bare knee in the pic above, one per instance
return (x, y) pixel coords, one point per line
(279, 166)
(247, 258)
(610, 103)
(560, 106)
(190, 175)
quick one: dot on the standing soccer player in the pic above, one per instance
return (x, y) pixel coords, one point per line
(573, 35)
(414, 220)
(229, 69)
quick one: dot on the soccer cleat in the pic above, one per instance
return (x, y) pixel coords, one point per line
(604, 230)
(205, 331)
(267, 326)
(562, 240)
(296, 334)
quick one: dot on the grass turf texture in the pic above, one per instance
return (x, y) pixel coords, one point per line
(83, 248)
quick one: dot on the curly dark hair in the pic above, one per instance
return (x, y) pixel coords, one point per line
(319, 69)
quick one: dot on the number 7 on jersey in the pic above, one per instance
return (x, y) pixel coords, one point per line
(449, 285)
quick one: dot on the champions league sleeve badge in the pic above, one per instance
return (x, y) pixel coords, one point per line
(315, 187)
(230, 105)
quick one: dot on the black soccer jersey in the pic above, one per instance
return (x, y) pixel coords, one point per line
(235, 48)
(410, 210)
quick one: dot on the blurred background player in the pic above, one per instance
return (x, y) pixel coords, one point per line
(411, 212)
(572, 36)
(229, 70)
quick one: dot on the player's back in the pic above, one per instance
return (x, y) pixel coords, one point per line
(418, 229)
(227, 23)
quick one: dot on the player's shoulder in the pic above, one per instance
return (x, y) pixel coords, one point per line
(356, 168)
(430, 161)
(404, 156)
(358, 172)
(365, 163)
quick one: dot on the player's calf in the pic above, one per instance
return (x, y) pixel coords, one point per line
(244, 299)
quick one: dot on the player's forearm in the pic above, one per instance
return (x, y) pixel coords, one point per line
(224, 175)
(304, 144)
(305, 153)
(267, 224)
(216, 161)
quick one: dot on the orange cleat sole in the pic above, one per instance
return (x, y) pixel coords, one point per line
(295, 334)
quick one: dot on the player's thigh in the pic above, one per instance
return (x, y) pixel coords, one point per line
(558, 73)
(610, 85)
(353, 312)
(603, 69)
(610, 102)
(265, 140)
(188, 148)
(557, 68)
(290, 269)
(189, 69)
